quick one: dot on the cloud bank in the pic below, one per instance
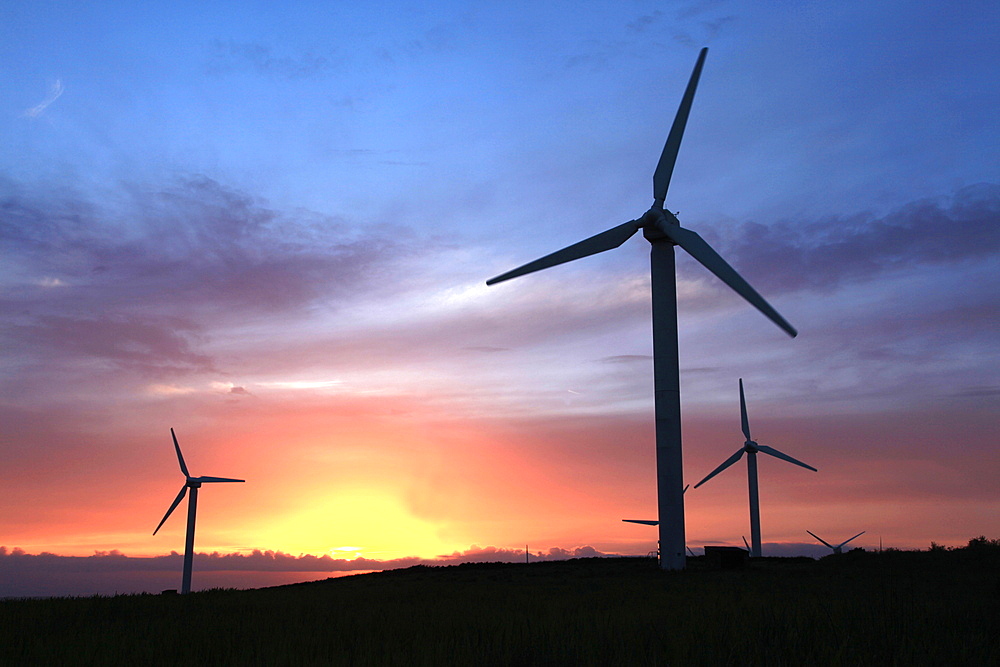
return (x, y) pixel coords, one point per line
(28, 575)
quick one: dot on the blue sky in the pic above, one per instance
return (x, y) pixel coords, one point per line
(279, 219)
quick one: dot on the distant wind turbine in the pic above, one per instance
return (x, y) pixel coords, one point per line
(750, 448)
(838, 549)
(193, 483)
(663, 231)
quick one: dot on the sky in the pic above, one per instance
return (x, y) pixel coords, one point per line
(269, 227)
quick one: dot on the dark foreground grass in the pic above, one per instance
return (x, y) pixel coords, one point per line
(893, 608)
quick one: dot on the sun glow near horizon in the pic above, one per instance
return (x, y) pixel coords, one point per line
(374, 522)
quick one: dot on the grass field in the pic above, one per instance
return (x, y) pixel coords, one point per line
(937, 607)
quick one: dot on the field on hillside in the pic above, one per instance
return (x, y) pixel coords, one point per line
(893, 608)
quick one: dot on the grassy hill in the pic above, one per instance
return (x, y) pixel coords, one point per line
(932, 607)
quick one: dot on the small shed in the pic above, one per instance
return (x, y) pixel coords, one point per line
(727, 558)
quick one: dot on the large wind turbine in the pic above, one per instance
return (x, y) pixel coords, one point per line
(839, 548)
(750, 448)
(193, 483)
(663, 231)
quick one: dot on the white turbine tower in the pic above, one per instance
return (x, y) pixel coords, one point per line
(663, 231)
(193, 483)
(839, 548)
(750, 448)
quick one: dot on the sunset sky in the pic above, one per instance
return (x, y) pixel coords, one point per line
(269, 227)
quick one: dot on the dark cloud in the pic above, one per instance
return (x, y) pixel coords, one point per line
(824, 254)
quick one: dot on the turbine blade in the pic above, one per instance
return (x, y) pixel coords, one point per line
(216, 479)
(665, 167)
(745, 542)
(608, 240)
(685, 489)
(725, 464)
(645, 522)
(698, 248)
(853, 538)
(173, 505)
(743, 412)
(821, 539)
(180, 457)
(775, 453)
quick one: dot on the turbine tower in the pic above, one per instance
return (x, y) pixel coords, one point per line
(750, 448)
(663, 231)
(838, 549)
(193, 483)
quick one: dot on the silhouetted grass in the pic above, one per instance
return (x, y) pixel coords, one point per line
(893, 608)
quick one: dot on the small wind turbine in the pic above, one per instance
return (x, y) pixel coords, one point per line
(663, 231)
(750, 448)
(838, 549)
(193, 483)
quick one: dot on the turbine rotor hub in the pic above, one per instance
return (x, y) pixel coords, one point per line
(750, 446)
(654, 220)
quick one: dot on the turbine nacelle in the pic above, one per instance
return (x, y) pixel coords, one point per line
(654, 223)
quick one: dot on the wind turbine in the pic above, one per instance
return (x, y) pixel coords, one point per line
(663, 231)
(750, 448)
(838, 549)
(193, 483)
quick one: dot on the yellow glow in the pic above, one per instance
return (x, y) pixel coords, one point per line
(168, 389)
(302, 384)
(376, 522)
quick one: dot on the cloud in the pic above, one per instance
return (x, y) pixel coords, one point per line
(154, 345)
(228, 56)
(144, 284)
(822, 255)
(627, 359)
(642, 23)
(112, 571)
(55, 91)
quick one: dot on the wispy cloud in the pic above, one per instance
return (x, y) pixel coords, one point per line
(55, 90)
(228, 56)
